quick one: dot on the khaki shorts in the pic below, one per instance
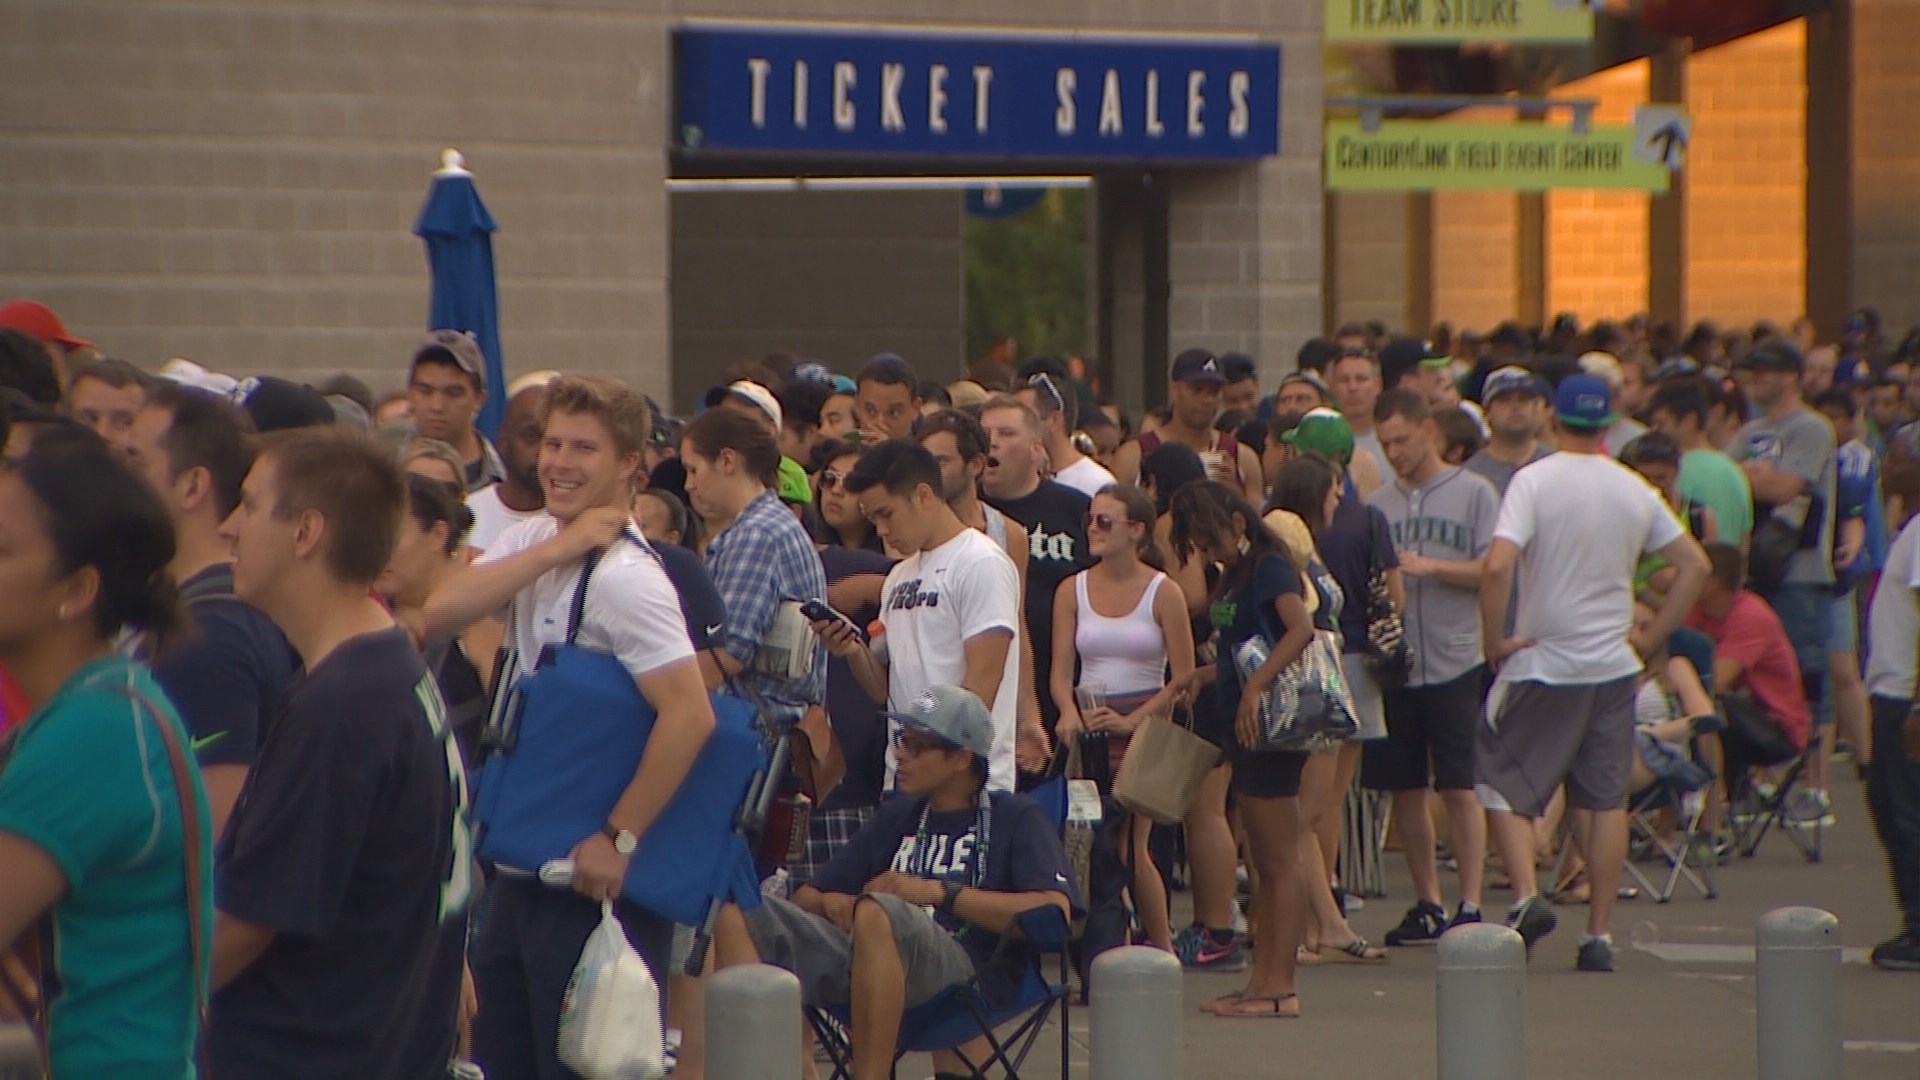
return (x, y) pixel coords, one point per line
(1536, 736)
(820, 954)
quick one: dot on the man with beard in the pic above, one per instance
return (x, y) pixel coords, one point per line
(1055, 516)
(517, 496)
(1193, 399)
(1516, 404)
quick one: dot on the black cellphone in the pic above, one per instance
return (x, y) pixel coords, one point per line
(818, 611)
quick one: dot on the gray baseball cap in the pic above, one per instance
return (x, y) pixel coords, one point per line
(951, 713)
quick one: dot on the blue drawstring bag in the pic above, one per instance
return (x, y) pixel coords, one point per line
(564, 747)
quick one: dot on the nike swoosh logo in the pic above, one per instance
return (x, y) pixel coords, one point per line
(714, 629)
(202, 743)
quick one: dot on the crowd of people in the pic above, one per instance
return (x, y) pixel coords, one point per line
(258, 633)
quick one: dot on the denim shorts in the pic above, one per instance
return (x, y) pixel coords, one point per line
(1845, 633)
(1806, 612)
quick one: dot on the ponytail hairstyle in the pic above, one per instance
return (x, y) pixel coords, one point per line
(728, 429)
(1140, 511)
(429, 503)
(99, 514)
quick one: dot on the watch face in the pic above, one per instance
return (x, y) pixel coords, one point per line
(625, 843)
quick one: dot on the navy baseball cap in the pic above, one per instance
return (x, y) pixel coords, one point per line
(1198, 366)
(1512, 379)
(1584, 402)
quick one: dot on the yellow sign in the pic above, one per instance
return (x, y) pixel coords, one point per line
(1414, 21)
(1441, 155)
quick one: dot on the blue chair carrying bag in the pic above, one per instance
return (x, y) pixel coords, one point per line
(563, 748)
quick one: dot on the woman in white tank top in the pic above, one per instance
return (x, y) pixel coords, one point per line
(1122, 621)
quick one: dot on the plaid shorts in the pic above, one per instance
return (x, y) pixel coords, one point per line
(827, 833)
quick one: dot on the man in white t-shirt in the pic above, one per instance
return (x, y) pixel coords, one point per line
(595, 430)
(517, 497)
(1893, 776)
(950, 610)
(1573, 525)
(1052, 399)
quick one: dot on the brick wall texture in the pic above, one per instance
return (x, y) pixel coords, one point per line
(1370, 279)
(1475, 279)
(1746, 179)
(237, 182)
(1886, 164)
(1597, 240)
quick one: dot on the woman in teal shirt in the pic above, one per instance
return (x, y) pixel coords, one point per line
(95, 835)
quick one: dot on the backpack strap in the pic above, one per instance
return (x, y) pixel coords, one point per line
(578, 612)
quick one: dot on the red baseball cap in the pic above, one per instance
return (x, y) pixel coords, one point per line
(36, 319)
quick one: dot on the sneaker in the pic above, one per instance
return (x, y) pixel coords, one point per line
(1215, 955)
(1596, 954)
(1807, 807)
(1899, 954)
(1463, 917)
(1534, 919)
(1423, 925)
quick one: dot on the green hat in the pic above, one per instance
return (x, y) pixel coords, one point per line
(792, 484)
(1324, 432)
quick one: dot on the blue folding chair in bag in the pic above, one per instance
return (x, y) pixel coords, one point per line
(963, 1014)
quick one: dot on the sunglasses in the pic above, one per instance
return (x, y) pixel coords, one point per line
(1105, 522)
(914, 744)
(1045, 382)
(829, 479)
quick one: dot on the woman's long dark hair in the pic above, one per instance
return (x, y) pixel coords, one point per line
(824, 455)
(1204, 511)
(98, 513)
(1301, 487)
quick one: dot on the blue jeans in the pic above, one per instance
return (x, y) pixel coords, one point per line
(1806, 612)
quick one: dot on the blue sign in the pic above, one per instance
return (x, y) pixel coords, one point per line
(835, 91)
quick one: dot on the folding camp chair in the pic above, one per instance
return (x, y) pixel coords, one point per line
(961, 1014)
(1764, 811)
(1684, 856)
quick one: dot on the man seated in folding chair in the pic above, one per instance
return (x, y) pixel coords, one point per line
(1751, 656)
(918, 901)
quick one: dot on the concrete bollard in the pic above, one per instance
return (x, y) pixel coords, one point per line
(1480, 1018)
(761, 1002)
(1136, 1014)
(1797, 990)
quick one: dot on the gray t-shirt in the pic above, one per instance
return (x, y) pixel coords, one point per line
(1801, 444)
(1449, 517)
(1499, 473)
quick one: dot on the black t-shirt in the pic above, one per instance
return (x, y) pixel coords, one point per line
(855, 717)
(1358, 543)
(1247, 610)
(1055, 516)
(227, 677)
(349, 842)
(700, 601)
(1023, 854)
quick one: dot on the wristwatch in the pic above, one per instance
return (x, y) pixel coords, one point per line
(624, 842)
(950, 893)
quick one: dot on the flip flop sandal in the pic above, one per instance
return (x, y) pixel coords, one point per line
(1306, 957)
(1273, 1008)
(1213, 1006)
(1357, 951)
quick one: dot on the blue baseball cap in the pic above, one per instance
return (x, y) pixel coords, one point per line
(1584, 402)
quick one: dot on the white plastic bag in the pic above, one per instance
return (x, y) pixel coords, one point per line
(610, 1018)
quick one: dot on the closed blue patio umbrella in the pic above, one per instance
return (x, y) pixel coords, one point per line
(459, 235)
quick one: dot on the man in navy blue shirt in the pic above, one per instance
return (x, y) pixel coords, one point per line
(228, 677)
(919, 899)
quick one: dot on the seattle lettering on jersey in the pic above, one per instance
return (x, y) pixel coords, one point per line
(907, 595)
(1443, 531)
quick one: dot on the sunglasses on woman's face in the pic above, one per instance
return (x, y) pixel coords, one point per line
(829, 479)
(1105, 522)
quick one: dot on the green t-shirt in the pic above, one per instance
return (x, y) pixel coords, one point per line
(1713, 480)
(90, 785)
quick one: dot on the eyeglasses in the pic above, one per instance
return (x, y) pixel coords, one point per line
(829, 479)
(1105, 522)
(1045, 382)
(914, 744)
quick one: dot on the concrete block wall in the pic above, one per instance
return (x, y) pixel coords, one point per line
(1886, 163)
(1746, 176)
(1371, 273)
(1475, 274)
(1597, 240)
(238, 184)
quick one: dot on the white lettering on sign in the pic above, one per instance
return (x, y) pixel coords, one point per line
(982, 78)
(1064, 82)
(937, 99)
(1110, 105)
(1155, 128)
(843, 79)
(891, 76)
(757, 69)
(1238, 118)
(1196, 127)
(800, 94)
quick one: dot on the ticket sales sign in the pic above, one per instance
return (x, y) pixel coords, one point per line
(1442, 155)
(1413, 22)
(795, 90)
